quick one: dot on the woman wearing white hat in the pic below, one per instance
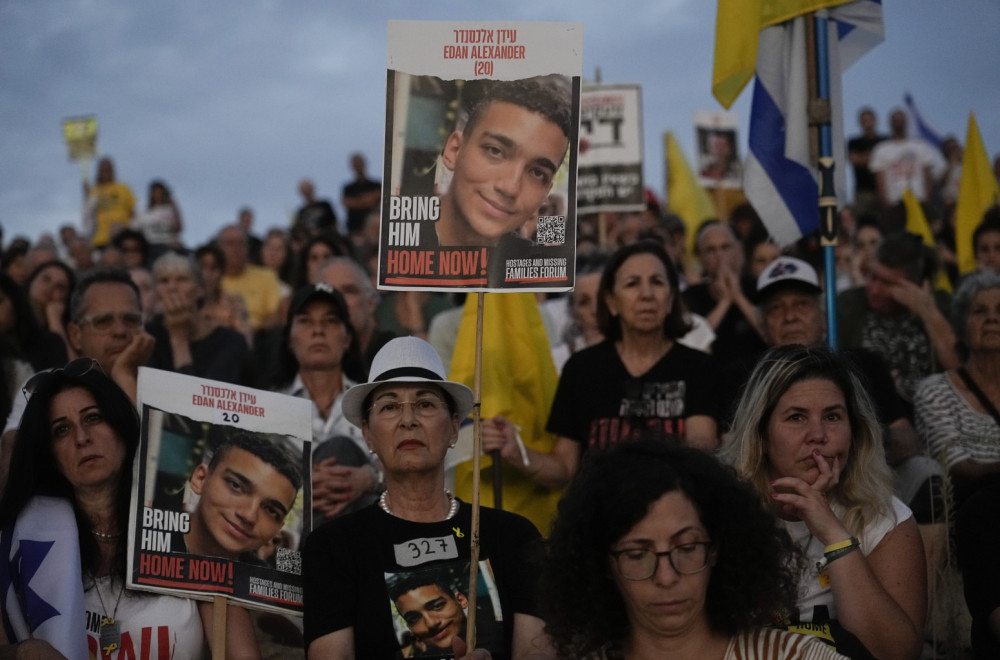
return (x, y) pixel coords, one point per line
(391, 580)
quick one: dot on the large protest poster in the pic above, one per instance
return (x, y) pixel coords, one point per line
(221, 495)
(719, 164)
(610, 165)
(479, 186)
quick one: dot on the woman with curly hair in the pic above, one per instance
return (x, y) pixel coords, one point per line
(807, 437)
(659, 551)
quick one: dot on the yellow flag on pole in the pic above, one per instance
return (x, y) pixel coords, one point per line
(916, 223)
(685, 197)
(737, 28)
(519, 382)
(977, 191)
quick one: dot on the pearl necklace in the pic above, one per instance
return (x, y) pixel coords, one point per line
(383, 504)
(101, 536)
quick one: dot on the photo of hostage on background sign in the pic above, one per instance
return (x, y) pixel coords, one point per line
(222, 495)
(481, 143)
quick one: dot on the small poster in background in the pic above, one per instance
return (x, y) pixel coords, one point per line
(221, 495)
(481, 139)
(719, 164)
(610, 162)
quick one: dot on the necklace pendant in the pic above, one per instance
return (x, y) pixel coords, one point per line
(111, 636)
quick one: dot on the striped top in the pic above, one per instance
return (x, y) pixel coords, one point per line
(758, 644)
(953, 430)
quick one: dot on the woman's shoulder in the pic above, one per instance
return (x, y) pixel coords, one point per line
(778, 644)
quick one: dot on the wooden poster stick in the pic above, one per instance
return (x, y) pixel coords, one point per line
(219, 604)
(477, 449)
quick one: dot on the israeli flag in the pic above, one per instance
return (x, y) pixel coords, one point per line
(781, 179)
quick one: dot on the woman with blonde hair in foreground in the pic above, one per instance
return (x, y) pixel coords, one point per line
(806, 436)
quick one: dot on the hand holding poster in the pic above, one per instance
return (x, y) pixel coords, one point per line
(480, 163)
(221, 500)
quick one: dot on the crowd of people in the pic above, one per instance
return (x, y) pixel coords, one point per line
(731, 487)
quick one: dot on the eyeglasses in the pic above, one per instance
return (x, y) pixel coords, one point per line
(105, 323)
(75, 369)
(422, 407)
(641, 563)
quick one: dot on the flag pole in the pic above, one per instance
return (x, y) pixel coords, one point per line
(477, 448)
(819, 115)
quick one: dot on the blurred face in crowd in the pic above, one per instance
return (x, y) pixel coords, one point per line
(318, 337)
(233, 242)
(49, 285)
(982, 328)
(211, 271)
(763, 254)
(584, 307)
(357, 291)
(717, 246)
(988, 251)
(147, 293)
(110, 317)
(792, 316)
(879, 287)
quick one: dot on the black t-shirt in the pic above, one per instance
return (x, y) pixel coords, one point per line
(864, 178)
(222, 355)
(350, 565)
(735, 338)
(598, 403)
(356, 217)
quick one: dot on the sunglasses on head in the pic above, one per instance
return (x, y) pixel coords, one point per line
(73, 369)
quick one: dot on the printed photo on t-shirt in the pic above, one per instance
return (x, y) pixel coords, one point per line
(430, 608)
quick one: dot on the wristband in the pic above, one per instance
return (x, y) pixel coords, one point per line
(838, 550)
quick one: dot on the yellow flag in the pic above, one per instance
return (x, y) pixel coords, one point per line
(519, 382)
(977, 191)
(685, 196)
(737, 29)
(916, 223)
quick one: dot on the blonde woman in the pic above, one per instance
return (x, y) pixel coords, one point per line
(807, 437)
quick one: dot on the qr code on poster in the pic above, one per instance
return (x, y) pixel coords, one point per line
(551, 230)
(288, 561)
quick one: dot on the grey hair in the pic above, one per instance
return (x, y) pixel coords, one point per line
(177, 261)
(961, 303)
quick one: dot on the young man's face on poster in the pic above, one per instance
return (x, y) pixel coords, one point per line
(502, 172)
(243, 503)
(434, 616)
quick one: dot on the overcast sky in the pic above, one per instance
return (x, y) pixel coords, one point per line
(231, 103)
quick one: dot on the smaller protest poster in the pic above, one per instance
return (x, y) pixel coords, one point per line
(719, 164)
(610, 164)
(221, 495)
(482, 123)
(80, 134)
